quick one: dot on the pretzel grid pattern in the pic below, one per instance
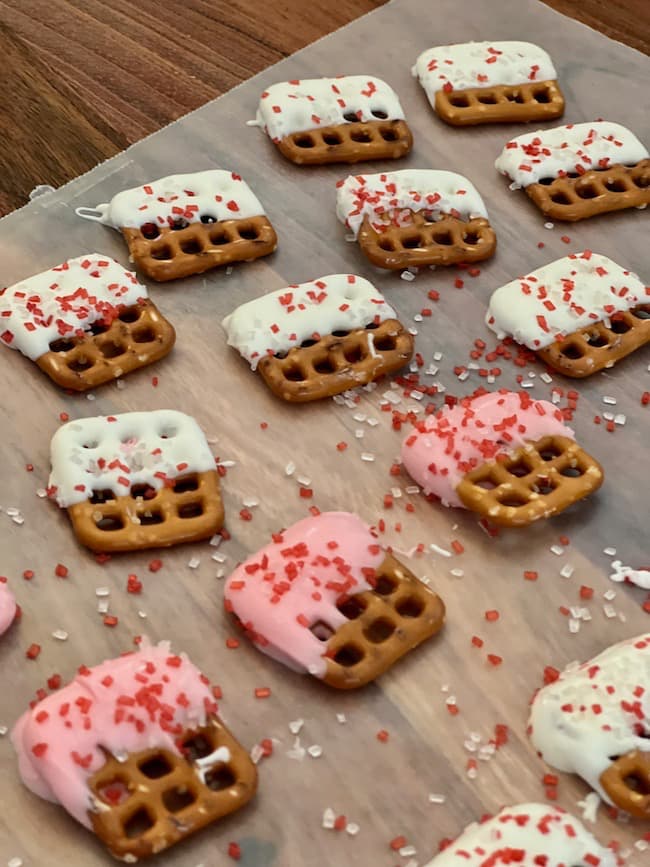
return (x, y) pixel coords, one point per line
(541, 100)
(627, 782)
(172, 252)
(187, 510)
(423, 241)
(538, 480)
(159, 798)
(337, 362)
(139, 336)
(595, 192)
(348, 143)
(599, 346)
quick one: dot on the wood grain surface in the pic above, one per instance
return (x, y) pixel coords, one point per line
(87, 78)
(382, 786)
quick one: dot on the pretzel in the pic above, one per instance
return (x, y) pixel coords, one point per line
(580, 314)
(186, 224)
(332, 120)
(416, 217)
(594, 720)
(580, 170)
(503, 455)
(347, 613)
(490, 82)
(155, 798)
(536, 481)
(529, 835)
(320, 338)
(135, 481)
(85, 322)
(133, 749)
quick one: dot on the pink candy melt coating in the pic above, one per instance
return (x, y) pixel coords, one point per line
(454, 441)
(296, 581)
(7, 607)
(125, 705)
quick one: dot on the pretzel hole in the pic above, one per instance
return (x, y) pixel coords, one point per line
(305, 141)
(542, 95)
(354, 354)
(385, 343)
(619, 326)
(191, 247)
(190, 510)
(178, 799)
(549, 453)
(340, 333)
(471, 238)
(196, 747)
(637, 783)
(220, 778)
(168, 433)
(360, 135)
(387, 244)
(572, 471)
(144, 335)
(146, 492)
(114, 793)
(111, 348)
(352, 607)
(179, 224)
(560, 198)
(487, 99)
(149, 518)
(543, 485)
(459, 101)
(487, 484)
(616, 185)
(333, 138)
(149, 231)
(101, 496)
(586, 191)
(219, 237)
(78, 365)
(321, 630)
(61, 345)
(595, 338)
(641, 181)
(379, 113)
(641, 312)
(208, 218)
(350, 116)
(388, 134)
(98, 327)
(109, 523)
(248, 232)
(185, 483)
(412, 241)
(369, 327)
(324, 366)
(385, 585)
(443, 238)
(519, 468)
(516, 96)
(572, 351)
(163, 252)
(131, 314)
(155, 767)
(511, 499)
(412, 606)
(139, 823)
(348, 655)
(544, 181)
(294, 374)
(379, 630)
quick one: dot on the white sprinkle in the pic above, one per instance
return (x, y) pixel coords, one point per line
(608, 416)
(18, 519)
(256, 753)
(589, 806)
(372, 422)
(194, 563)
(90, 397)
(329, 817)
(450, 700)
(557, 550)
(41, 493)
(226, 464)
(609, 595)
(367, 456)
(641, 845)
(574, 625)
(15, 862)
(290, 468)
(341, 718)
(396, 493)
(545, 377)
(12, 511)
(216, 540)
(527, 384)
(438, 550)
(549, 225)
(620, 418)
(60, 635)
(417, 395)
(457, 573)
(486, 751)
(609, 611)
(102, 591)
(412, 489)
(297, 751)
(406, 851)
(305, 481)
(567, 570)
(315, 751)
(250, 503)
(220, 573)
(434, 798)
(472, 773)
(418, 317)
(610, 552)
(391, 397)
(432, 370)
(102, 606)
(463, 375)
(3, 731)
(491, 378)
(437, 356)
(609, 400)
(555, 397)
(352, 828)
(470, 746)
(218, 557)
(406, 275)
(359, 416)
(359, 433)
(142, 615)
(295, 726)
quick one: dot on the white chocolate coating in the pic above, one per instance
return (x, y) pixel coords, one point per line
(117, 451)
(64, 301)
(528, 835)
(575, 148)
(215, 193)
(595, 711)
(282, 319)
(394, 193)
(481, 64)
(298, 106)
(563, 297)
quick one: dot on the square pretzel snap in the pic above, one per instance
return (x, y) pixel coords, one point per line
(324, 598)
(136, 480)
(334, 120)
(490, 82)
(314, 340)
(133, 749)
(186, 224)
(84, 323)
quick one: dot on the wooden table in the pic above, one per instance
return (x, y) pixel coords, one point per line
(85, 78)
(381, 785)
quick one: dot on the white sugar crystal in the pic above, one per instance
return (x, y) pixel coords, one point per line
(492, 379)
(545, 377)
(315, 751)
(359, 433)
(250, 503)
(609, 611)
(15, 862)
(418, 317)
(589, 806)
(407, 275)
(412, 489)
(527, 384)
(608, 416)
(567, 570)
(218, 557)
(407, 851)
(457, 573)
(574, 625)
(438, 550)
(463, 375)
(290, 468)
(437, 356)
(432, 370)
(341, 718)
(305, 481)
(610, 552)
(194, 562)
(367, 456)
(12, 511)
(142, 615)
(470, 746)
(3, 731)
(435, 798)
(372, 422)
(102, 591)
(472, 773)
(417, 395)
(352, 829)
(90, 397)
(609, 595)
(18, 519)
(609, 400)
(557, 550)
(41, 493)
(620, 418)
(216, 540)
(226, 464)
(297, 751)
(359, 416)
(329, 817)
(60, 635)
(549, 225)
(295, 726)
(256, 753)
(450, 700)
(396, 493)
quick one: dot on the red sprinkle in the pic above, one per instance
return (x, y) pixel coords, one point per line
(457, 547)
(306, 493)
(340, 823)
(493, 659)
(232, 643)
(586, 592)
(262, 692)
(341, 446)
(531, 576)
(61, 571)
(33, 651)
(398, 843)
(155, 565)
(491, 616)
(234, 851)
(476, 641)
(110, 620)
(382, 735)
